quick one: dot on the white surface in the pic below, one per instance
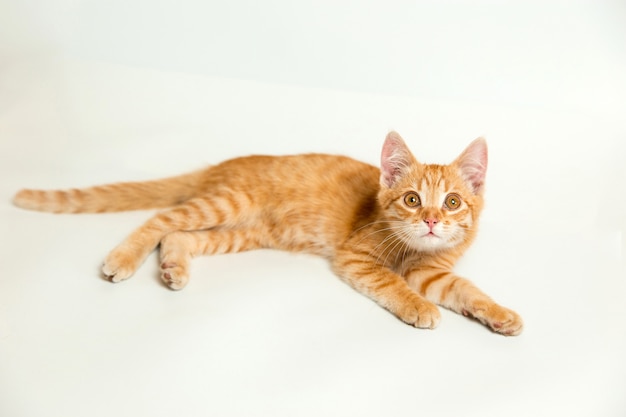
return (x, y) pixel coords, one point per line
(130, 90)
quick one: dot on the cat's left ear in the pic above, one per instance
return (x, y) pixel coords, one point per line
(473, 164)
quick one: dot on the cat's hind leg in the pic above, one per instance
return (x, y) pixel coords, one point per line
(175, 253)
(178, 248)
(226, 209)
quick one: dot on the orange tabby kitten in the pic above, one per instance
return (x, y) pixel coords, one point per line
(392, 234)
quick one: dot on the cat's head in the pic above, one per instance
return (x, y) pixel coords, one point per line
(432, 207)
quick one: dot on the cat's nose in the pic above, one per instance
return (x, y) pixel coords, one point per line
(431, 222)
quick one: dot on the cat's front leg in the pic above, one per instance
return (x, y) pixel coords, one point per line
(387, 288)
(462, 296)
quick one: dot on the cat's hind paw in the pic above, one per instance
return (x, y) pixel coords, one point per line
(175, 254)
(119, 266)
(174, 275)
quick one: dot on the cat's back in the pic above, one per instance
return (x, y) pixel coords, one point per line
(319, 198)
(294, 173)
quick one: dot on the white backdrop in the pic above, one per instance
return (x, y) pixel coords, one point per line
(94, 92)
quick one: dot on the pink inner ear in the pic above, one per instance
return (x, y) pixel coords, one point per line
(395, 158)
(473, 164)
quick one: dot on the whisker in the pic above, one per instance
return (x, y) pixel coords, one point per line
(401, 240)
(397, 244)
(383, 242)
(373, 223)
(386, 229)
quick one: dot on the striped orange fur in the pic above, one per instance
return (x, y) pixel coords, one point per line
(393, 234)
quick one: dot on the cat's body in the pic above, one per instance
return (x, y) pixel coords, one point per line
(393, 233)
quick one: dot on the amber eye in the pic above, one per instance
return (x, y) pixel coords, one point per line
(412, 200)
(453, 201)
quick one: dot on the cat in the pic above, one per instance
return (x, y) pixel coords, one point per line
(393, 234)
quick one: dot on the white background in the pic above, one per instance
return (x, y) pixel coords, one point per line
(103, 91)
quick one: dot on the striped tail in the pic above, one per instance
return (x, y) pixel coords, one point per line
(121, 196)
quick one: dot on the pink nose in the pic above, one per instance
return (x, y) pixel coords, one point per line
(431, 222)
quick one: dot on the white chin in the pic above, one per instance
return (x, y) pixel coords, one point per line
(430, 243)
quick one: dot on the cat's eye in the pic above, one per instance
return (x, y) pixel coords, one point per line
(412, 200)
(452, 201)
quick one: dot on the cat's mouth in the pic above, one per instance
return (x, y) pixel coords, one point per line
(431, 235)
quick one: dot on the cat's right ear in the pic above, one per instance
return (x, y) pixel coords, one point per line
(395, 159)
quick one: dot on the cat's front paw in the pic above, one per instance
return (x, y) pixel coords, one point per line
(119, 265)
(420, 313)
(500, 319)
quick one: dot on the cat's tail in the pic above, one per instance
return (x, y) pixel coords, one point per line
(121, 196)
